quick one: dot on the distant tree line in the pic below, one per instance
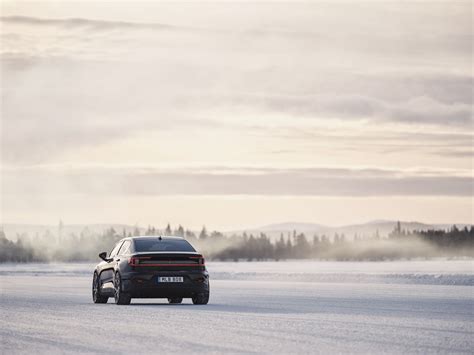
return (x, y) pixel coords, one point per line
(215, 245)
(453, 238)
(398, 245)
(15, 252)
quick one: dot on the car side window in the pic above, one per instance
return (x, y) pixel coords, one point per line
(115, 250)
(125, 249)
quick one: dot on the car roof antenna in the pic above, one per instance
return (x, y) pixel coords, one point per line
(159, 238)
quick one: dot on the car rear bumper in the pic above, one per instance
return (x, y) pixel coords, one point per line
(146, 285)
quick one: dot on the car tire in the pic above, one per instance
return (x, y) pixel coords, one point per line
(121, 298)
(201, 298)
(175, 300)
(96, 296)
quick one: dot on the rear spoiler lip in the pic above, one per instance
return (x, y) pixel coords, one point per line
(168, 265)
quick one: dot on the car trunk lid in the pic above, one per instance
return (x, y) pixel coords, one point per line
(167, 261)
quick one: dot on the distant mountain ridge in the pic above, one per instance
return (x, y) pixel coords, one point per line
(383, 227)
(291, 226)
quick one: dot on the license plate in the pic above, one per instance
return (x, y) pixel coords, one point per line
(170, 279)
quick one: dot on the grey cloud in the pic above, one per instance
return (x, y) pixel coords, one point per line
(427, 110)
(425, 139)
(60, 99)
(418, 110)
(440, 143)
(455, 153)
(53, 108)
(445, 87)
(84, 23)
(311, 182)
(57, 107)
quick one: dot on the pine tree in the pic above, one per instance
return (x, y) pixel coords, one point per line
(301, 248)
(190, 235)
(280, 248)
(288, 248)
(203, 235)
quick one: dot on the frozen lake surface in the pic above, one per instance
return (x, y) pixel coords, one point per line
(263, 307)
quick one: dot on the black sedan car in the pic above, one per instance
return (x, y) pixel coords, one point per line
(151, 267)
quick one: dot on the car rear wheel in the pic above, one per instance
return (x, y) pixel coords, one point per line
(96, 296)
(120, 296)
(201, 298)
(175, 300)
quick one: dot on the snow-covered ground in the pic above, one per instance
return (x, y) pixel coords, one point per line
(264, 307)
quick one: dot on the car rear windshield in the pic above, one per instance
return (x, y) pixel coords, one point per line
(152, 244)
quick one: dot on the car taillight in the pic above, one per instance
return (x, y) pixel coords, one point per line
(133, 261)
(200, 259)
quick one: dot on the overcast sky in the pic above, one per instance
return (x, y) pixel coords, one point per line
(233, 114)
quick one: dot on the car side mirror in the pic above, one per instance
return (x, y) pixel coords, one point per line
(103, 256)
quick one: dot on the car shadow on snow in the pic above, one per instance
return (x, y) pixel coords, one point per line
(161, 304)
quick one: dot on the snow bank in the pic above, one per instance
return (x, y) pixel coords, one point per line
(429, 272)
(426, 279)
